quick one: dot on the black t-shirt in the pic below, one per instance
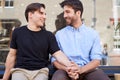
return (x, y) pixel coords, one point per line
(33, 47)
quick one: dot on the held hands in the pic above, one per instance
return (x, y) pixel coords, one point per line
(73, 71)
(73, 75)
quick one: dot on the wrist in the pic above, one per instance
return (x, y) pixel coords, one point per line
(65, 69)
(4, 79)
(81, 70)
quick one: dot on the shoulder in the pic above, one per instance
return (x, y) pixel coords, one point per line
(19, 28)
(62, 31)
(47, 33)
(90, 31)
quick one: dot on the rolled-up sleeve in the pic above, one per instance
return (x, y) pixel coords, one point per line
(96, 52)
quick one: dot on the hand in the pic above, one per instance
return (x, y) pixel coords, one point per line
(73, 76)
(75, 68)
(73, 71)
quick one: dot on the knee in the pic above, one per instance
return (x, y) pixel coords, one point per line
(60, 75)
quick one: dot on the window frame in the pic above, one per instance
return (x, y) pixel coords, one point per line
(9, 4)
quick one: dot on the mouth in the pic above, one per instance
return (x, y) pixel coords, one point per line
(67, 20)
(42, 21)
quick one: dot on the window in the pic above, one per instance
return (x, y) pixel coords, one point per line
(118, 3)
(6, 27)
(116, 44)
(0, 3)
(117, 37)
(9, 3)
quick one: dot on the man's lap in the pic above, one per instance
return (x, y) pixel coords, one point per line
(18, 73)
(96, 74)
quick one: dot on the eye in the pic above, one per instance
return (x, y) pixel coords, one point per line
(67, 11)
(42, 13)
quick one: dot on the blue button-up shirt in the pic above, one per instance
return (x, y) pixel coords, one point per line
(80, 45)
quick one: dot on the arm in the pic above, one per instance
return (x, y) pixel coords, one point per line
(61, 58)
(90, 66)
(10, 61)
(72, 75)
(95, 56)
(75, 69)
(59, 66)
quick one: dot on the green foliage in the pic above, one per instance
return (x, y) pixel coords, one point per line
(118, 26)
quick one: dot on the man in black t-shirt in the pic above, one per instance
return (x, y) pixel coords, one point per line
(30, 47)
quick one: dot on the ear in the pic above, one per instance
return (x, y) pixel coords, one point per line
(78, 13)
(30, 14)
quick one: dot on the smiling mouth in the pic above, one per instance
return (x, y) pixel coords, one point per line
(67, 20)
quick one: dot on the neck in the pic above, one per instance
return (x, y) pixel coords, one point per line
(77, 24)
(33, 27)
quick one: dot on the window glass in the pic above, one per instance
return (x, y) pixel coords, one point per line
(118, 2)
(117, 37)
(8, 3)
(6, 27)
(0, 3)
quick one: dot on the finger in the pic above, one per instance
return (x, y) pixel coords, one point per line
(76, 76)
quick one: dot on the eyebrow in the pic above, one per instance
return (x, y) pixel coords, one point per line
(41, 11)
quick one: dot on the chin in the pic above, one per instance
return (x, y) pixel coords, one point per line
(41, 25)
(68, 23)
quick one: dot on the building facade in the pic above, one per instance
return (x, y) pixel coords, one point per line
(102, 15)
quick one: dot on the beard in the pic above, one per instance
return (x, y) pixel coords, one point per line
(69, 21)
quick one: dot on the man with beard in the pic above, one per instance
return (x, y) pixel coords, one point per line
(30, 47)
(81, 44)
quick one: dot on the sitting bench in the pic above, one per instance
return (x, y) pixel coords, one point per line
(2, 69)
(109, 70)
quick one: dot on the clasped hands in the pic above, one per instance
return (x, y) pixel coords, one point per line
(73, 71)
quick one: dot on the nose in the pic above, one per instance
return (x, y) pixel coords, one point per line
(44, 16)
(65, 15)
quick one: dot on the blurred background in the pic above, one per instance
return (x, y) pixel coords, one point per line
(101, 15)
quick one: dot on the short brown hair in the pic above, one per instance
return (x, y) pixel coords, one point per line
(75, 4)
(32, 8)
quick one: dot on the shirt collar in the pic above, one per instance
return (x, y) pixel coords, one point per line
(74, 29)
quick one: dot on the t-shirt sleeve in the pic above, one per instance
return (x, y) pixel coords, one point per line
(53, 44)
(13, 40)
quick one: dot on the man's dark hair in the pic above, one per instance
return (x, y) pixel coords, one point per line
(75, 4)
(32, 8)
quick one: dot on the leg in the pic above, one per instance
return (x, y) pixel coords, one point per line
(41, 76)
(17, 75)
(97, 74)
(60, 75)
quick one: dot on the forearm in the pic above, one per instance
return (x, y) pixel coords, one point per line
(90, 66)
(61, 58)
(10, 61)
(59, 66)
(73, 76)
